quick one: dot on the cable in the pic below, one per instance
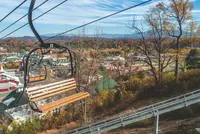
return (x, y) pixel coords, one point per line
(22, 17)
(34, 19)
(98, 19)
(78, 26)
(13, 10)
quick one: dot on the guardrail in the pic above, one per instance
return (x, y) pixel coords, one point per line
(140, 114)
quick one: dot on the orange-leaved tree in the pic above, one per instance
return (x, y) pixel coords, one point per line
(179, 12)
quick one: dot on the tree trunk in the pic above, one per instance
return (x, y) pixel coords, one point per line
(159, 69)
(154, 74)
(177, 58)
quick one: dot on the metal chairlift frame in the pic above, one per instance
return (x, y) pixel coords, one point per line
(23, 66)
(43, 47)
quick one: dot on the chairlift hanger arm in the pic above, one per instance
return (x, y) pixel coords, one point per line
(31, 22)
(42, 44)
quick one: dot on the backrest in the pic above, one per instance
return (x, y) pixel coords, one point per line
(36, 78)
(44, 91)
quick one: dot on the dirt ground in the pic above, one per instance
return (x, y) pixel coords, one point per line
(186, 126)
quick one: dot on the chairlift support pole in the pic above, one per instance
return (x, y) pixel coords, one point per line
(156, 120)
(156, 123)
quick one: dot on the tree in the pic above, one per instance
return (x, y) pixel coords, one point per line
(193, 32)
(193, 59)
(88, 64)
(198, 31)
(178, 11)
(155, 46)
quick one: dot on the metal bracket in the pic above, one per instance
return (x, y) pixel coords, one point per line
(76, 131)
(155, 111)
(122, 121)
(185, 101)
(91, 131)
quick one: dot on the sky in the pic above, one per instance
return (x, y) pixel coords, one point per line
(74, 13)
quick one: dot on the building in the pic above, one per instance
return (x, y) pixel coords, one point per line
(115, 58)
(8, 82)
(3, 50)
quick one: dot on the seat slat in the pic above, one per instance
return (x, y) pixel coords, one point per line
(50, 88)
(52, 84)
(52, 94)
(49, 85)
(31, 79)
(33, 95)
(52, 104)
(62, 102)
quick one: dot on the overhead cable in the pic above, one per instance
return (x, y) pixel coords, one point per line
(34, 19)
(99, 19)
(22, 17)
(13, 10)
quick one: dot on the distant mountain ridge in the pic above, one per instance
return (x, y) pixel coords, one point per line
(43, 37)
(71, 36)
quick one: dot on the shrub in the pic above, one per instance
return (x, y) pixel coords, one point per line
(28, 127)
(141, 75)
(167, 78)
(187, 81)
(50, 121)
(105, 98)
(36, 125)
(135, 84)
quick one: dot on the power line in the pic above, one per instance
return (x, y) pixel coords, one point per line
(98, 19)
(34, 19)
(13, 10)
(22, 17)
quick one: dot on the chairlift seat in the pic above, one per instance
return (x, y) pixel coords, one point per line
(38, 93)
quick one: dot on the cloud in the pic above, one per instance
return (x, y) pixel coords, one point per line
(75, 12)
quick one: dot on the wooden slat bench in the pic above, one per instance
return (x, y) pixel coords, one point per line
(50, 90)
